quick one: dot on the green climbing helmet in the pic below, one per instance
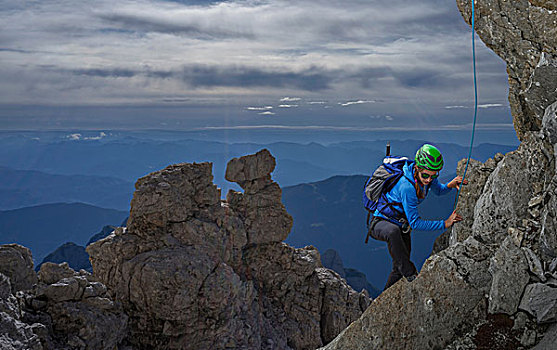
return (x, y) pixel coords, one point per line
(429, 157)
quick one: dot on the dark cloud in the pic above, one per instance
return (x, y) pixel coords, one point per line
(7, 49)
(312, 79)
(196, 2)
(421, 78)
(106, 73)
(145, 24)
(367, 77)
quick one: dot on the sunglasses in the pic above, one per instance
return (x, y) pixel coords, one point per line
(427, 176)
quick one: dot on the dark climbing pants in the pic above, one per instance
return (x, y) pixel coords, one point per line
(399, 245)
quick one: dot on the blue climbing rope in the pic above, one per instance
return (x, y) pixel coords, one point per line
(475, 105)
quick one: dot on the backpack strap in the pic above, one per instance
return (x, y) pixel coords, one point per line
(371, 226)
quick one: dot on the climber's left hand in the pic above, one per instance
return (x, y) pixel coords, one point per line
(455, 183)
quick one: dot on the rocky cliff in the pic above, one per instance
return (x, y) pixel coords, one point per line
(196, 272)
(492, 282)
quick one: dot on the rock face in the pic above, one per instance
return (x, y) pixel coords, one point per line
(61, 309)
(16, 335)
(196, 272)
(491, 282)
(416, 315)
(17, 264)
(80, 313)
(524, 34)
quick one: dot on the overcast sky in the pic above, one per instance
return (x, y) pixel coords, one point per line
(241, 64)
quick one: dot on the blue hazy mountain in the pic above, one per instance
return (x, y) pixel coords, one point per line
(23, 188)
(329, 215)
(356, 279)
(75, 255)
(127, 157)
(43, 228)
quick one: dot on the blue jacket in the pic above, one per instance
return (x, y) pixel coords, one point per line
(405, 193)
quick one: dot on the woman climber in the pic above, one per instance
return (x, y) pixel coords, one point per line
(398, 216)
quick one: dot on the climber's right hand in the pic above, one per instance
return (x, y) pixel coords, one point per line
(452, 219)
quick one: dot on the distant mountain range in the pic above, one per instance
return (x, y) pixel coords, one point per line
(75, 255)
(127, 158)
(44, 228)
(23, 188)
(355, 278)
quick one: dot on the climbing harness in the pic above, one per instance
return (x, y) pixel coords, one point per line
(475, 107)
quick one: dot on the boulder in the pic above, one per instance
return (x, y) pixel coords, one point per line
(504, 202)
(426, 313)
(540, 301)
(75, 309)
(51, 273)
(245, 170)
(477, 173)
(549, 340)
(509, 269)
(16, 262)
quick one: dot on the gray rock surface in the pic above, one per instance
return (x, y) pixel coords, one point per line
(478, 174)
(540, 301)
(509, 269)
(504, 202)
(16, 262)
(549, 340)
(534, 264)
(14, 334)
(414, 315)
(524, 34)
(196, 272)
(62, 310)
